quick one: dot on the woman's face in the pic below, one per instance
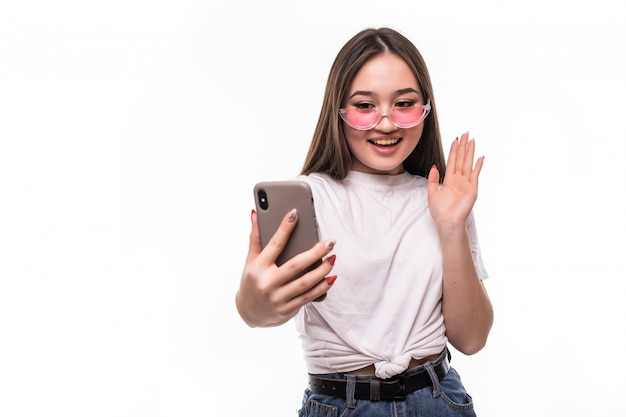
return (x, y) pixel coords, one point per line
(385, 82)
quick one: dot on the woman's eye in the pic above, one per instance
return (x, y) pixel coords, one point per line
(403, 104)
(364, 106)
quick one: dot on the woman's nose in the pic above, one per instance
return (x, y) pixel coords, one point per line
(385, 124)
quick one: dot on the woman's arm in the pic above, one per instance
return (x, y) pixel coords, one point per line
(467, 310)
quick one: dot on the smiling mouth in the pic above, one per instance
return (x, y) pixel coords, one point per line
(385, 142)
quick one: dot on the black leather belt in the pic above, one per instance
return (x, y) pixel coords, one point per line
(376, 389)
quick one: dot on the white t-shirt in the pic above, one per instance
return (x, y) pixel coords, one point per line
(385, 306)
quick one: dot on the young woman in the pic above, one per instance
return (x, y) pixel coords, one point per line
(406, 266)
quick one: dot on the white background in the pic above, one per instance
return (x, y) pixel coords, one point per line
(132, 132)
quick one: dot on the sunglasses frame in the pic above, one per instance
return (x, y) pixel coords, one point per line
(387, 113)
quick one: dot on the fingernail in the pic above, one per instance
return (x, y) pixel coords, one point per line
(330, 244)
(253, 213)
(292, 216)
(433, 167)
(331, 259)
(331, 280)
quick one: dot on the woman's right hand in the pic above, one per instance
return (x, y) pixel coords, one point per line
(268, 295)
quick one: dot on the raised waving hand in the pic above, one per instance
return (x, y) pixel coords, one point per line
(451, 203)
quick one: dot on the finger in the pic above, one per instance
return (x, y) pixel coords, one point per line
(302, 261)
(477, 168)
(433, 179)
(311, 285)
(460, 155)
(452, 156)
(254, 247)
(316, 292)
(469, 158)
(279, 239)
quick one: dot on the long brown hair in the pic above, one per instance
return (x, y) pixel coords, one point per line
(328, 152)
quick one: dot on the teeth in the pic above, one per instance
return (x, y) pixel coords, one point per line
(385, 142)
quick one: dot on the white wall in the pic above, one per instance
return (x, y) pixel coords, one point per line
(132, 132)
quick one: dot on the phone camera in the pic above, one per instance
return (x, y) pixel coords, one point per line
(263, 204)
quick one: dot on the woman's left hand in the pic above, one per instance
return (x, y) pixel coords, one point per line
(451, 203)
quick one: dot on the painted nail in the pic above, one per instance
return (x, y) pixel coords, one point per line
(331, 259)
(331, 280)
(330, 244)
(292, 216)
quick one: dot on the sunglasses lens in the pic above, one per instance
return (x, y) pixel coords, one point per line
(407, 116)
(360, 118)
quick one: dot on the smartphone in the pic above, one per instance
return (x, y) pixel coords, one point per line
(273, 200)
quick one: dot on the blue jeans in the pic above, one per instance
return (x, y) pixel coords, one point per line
(447, 397)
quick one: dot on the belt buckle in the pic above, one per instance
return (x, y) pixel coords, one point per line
(400, 394)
